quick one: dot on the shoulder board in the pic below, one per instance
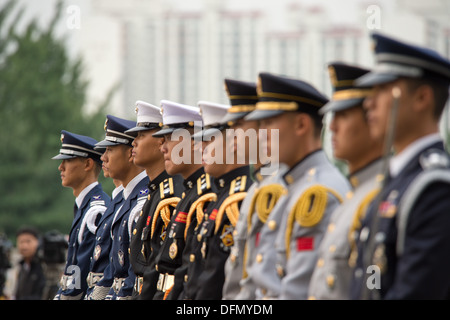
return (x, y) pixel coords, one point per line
(166, 188)
(434, 159)
(203, 183)
(97, 201)
(238, 185)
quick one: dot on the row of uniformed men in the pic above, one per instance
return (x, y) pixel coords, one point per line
(218, 230)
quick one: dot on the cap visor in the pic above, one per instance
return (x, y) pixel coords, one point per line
(163, 132)
(374, 78)
(234, 116)
(334, 106)
(63, 157)
(262, 114)
(105, 143)
(135, 130)
(206, 134)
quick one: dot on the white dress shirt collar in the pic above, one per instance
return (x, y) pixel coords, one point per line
(399, 161)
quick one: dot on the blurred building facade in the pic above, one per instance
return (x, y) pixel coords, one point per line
(157, 50)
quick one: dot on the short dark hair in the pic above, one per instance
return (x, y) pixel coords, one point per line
(28, 230)
(440, 91)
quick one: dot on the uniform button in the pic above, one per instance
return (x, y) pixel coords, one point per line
(156, 267)
(272, 224)
(349, 195)
(311, 298)
(134, 231)
(140, 214)
(185, 278)
(320, 262)
(332, 248)
(192, 258)
(289, 179)
(364, 235)
(330, 281)
(331, 227)
(259, 258)
(129, 251)
(120, 238)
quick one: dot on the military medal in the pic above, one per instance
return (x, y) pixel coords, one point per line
(227, 236)
(121, 257)
(173, 249)
(97, 252)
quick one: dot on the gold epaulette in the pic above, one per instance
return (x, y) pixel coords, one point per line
(166, 188)
(197, 207)
(163, 209)
(238, 185)
(309, 209)
(203, 183)
(263, 201)
(230, 206)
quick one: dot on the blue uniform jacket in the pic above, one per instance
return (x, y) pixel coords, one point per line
(102, 246)
(119, 266)
(79, 253)
(421, 272)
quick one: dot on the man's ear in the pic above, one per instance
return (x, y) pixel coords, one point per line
(129, 153)
(423, 98)
(89, 164)
(302, 123)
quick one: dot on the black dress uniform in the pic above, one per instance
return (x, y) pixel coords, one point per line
(140, 249)
(206, 275)
(170, 256)
(404, 253)
(176, 117)
(148, 118)
(155, 231)
(89, 207)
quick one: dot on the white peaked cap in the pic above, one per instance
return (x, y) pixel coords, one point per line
(173, 112)
(212, 113)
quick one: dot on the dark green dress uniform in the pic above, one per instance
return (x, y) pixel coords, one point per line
(206, 276)
(170, 256)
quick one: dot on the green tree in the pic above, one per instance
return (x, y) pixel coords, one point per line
(42, 92)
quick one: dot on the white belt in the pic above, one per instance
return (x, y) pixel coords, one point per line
(138, 284)
(66, 281)
(117, 284)
(93, 278)
(165, 282)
